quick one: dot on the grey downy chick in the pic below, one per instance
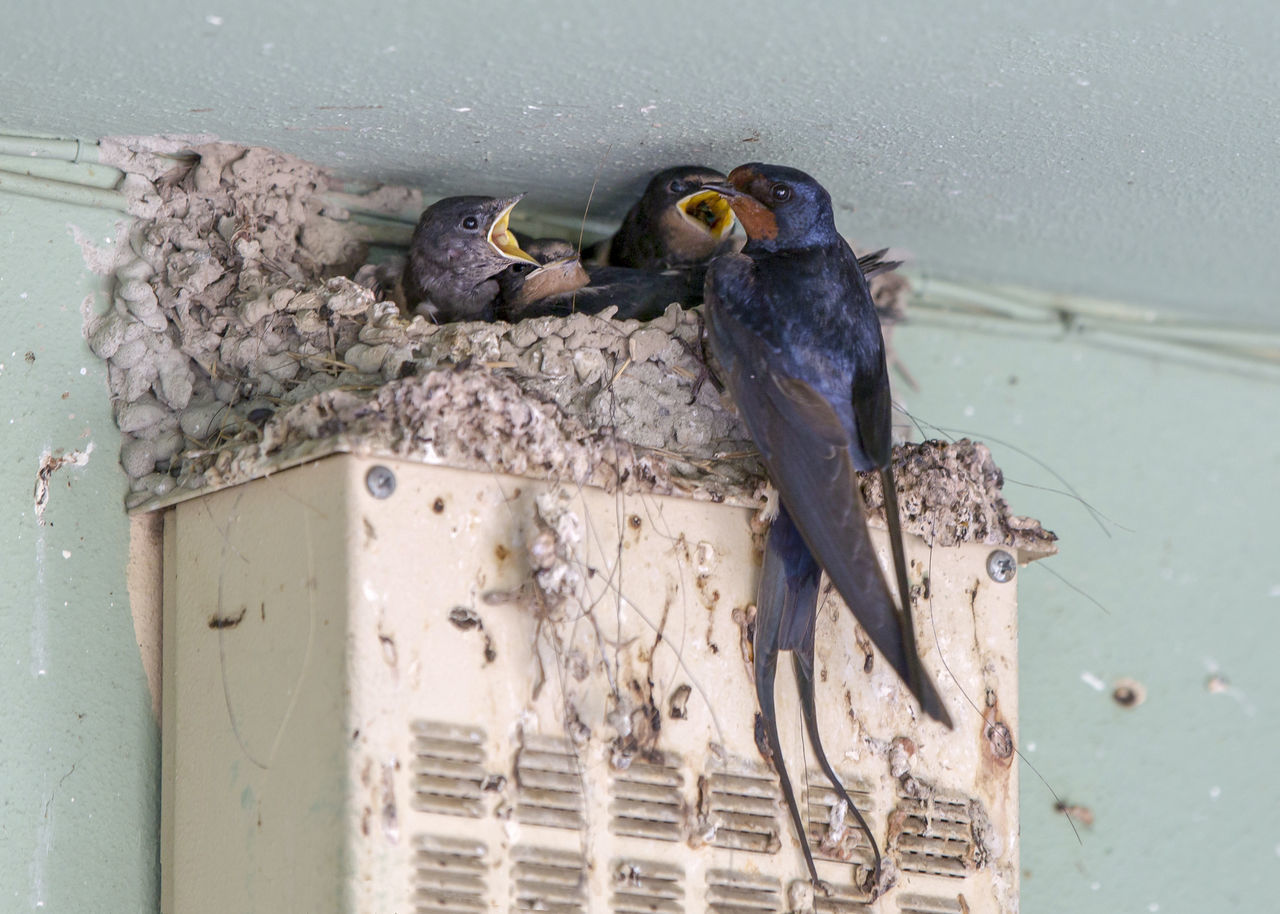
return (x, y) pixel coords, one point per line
(458, 248)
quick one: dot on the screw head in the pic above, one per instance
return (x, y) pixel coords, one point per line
(380, 481)
(1001, 566)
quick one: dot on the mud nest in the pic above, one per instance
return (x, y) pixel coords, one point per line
(236, 343)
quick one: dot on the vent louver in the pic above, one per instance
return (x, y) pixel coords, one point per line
(739, 811)
(646, 802)
(647, 887)
(548, 880)
(448, 875)
(931, 904)
(842, 899)
(549, 784)
(448, 768)
(738, 892)
(852, 846)
(936, 836)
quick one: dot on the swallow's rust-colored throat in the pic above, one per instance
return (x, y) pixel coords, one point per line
(757, 219)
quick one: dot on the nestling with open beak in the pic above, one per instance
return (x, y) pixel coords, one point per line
(459, 246)
(675, 223)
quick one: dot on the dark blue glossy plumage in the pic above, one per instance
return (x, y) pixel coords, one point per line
(792, 324)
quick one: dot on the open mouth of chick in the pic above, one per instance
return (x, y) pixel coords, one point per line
(709, 210)
(503, 241)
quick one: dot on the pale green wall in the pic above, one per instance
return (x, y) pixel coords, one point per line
(79, 747)
(1184, 461)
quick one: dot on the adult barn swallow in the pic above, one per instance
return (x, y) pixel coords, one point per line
(675, 223)
(791, 322)
(459, 246)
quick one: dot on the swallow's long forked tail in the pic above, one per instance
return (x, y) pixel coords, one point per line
(786, 613)
(808, 703)
(785, 606)
(765, 675)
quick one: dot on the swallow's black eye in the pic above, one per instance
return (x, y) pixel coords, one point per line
(780, 193)
(677, 187)
(471, 223)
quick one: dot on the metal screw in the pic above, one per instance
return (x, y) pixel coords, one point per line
(1001, 566)
(380, 481)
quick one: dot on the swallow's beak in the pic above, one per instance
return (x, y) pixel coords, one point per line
(500, 236)
(724, 188)
(709, 209)
(756, 219)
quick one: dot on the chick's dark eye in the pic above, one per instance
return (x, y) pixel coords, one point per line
(780, 193)
(676, 187)
(471, 223)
